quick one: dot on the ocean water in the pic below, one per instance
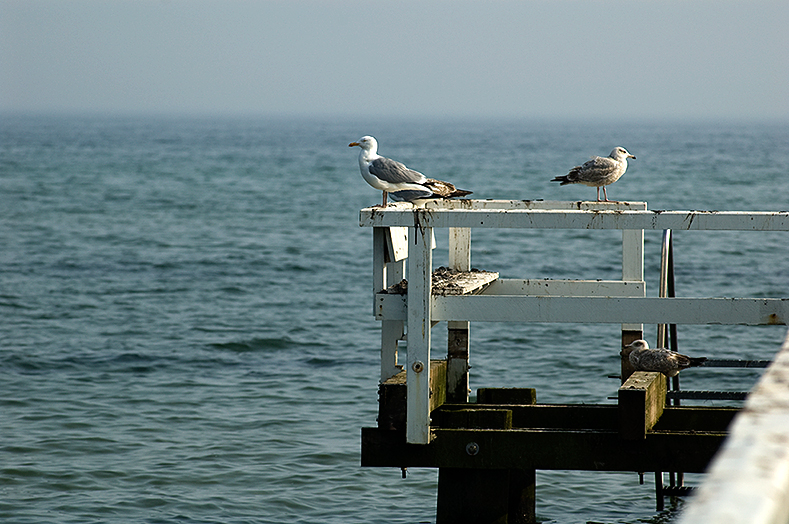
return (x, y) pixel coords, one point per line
(185, 306)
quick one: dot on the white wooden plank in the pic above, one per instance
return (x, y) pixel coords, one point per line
(529, 204)
(391, 333)
(460, 248)
(581, 219)
(563, 309)
(420, 261)
(748, 481)
(458, 332)
(612, 310)
(451, 282)
(566, 288)
(386, 273)
(379, 262)
(396, 244)
(633, 265)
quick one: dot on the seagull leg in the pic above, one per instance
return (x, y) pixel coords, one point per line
(385, 195)
(598, 192)
(605, 195)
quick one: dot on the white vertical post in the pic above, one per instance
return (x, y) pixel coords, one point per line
(420, 262)
(458, 331)
(460, 248)
(632, 270)
(387, 271)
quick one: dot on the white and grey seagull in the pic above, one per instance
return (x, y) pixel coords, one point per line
(599, 171)
(395, 179)
(662, 360)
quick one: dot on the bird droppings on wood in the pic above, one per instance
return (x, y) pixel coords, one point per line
(447, 281)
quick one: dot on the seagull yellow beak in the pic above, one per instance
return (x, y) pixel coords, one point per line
(354, 144)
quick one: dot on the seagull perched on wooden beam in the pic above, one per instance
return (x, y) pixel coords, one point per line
(599, 171)
(395, 179)
(662, 360)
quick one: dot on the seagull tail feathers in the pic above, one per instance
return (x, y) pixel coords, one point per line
(444, 189)
(459, 193)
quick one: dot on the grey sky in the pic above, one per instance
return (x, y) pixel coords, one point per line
(551, 58)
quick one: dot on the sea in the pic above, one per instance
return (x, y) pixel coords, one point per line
(186, 328)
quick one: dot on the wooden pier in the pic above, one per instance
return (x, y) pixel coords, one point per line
(487, 451)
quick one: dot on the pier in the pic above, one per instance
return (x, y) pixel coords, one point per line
(487, 451)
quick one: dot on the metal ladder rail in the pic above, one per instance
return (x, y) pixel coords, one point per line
(667, 337)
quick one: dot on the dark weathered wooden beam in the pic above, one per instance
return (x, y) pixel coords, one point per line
(642, 399)
(506, 396)
(470, 417)
(601, 417)
(457, 361)
(392, 395)
(542, 449)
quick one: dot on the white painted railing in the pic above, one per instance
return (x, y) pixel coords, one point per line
(622, 301)
(748, 481)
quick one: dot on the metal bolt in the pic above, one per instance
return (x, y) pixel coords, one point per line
(418, 366)
(472, 448)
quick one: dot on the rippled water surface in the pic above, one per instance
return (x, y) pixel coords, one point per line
(185, 306)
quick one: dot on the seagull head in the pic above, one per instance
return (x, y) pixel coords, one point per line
(367, 143)
(633, 346)
(620, 153)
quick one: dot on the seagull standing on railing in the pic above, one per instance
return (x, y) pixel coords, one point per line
(662, 360)
(599, 171)
(393, 178)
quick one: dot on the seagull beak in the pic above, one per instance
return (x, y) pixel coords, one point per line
(632, 156)
(358, 144)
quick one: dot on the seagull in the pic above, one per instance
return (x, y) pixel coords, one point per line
(659, 359)
(394, 178)
(599, 171)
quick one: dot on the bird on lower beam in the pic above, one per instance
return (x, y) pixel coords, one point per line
(661, 360)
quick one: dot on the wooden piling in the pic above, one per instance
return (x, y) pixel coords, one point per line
(642, 399)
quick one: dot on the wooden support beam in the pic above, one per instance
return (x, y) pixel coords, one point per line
(642, 399)
(472, 496)
(458, 332)
(457, 361)
(599, 417)
(478, 495)
(580, 219)
(544, 449)
(420, 262)
(392, 396)
(470, 417)
(594, 310)
(506, 396)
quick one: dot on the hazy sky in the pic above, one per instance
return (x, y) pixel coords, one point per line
(493, 58)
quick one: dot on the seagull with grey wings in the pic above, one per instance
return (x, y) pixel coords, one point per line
(599, 171)
(661, 360)
(395, 179)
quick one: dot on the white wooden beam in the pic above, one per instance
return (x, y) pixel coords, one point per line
(420, 262)
(580, 219)
(566, 288)
(567, 309)
(748, 481)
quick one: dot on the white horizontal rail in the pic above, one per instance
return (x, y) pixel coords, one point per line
(616, 310)
(578, 219)
(748, 481)
(567, 288)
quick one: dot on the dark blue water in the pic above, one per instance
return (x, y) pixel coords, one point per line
(185, 305)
